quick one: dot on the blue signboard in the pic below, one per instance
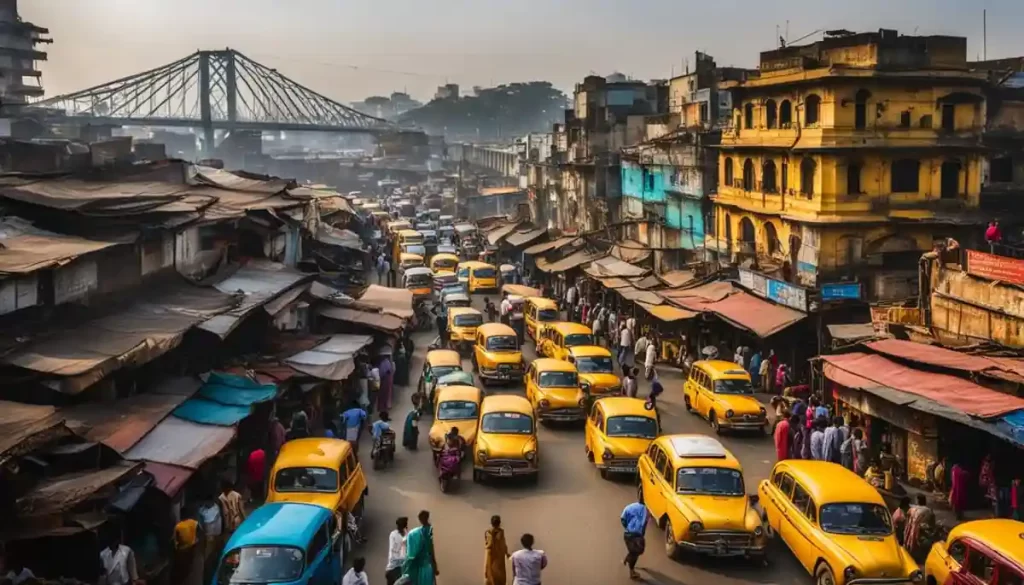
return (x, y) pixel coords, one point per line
(838, 292)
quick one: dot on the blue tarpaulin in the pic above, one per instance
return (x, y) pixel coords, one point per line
(233, 390)
(207, 412)
(1013, 425)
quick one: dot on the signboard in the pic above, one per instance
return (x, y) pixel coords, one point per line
(994, 267)
(781, 292)
(840, 291)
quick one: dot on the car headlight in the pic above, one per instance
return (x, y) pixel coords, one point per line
(758, 531)
(607, 454)
(729, 414)
(696, 526)
(763, 411)
(530, 455)
(583, 402)
(616, 388)
(917, 576)
(585, 386)
(849, 573)
(544, 403)
(481, 455)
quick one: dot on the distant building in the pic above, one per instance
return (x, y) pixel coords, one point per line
(447, 91)
(18, 55)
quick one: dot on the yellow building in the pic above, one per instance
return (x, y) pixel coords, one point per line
(847, 157)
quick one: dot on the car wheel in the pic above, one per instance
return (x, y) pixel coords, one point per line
(671, 546)
(689, 407)
(768, 530)
(824, 575)
(713, 419)
(604, 474)
(477, 476)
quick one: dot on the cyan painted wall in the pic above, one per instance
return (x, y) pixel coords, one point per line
(657, 184)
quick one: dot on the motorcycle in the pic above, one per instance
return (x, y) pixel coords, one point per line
(449, 468)
(383, 452)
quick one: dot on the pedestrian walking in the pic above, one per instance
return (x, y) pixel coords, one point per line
(506, 309)
(833, 441)
(495, 554)
(528, 563)
(187, 568)
(381, 269)
(993, 235)
(420, 566)
(118, 562)
(626, 346)
(596, 328)
(764, 374)
(231, 506)
(387, 379)
(490, 309)
(818, 440)
(799, 437)
(629, 383)
(255, 468)
(634, 523)
(782, 438)
(651, 355)
(357, 574)
(396, 550)
(754, 367)
(352, 421)
(299, 428)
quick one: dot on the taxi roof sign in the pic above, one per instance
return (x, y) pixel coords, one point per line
(698, 447)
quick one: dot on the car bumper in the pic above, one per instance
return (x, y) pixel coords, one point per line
(723, 551)
(498, 471)
(879, 581)
(501, 376)
(623, 466)
(743, 425)
(562, 415)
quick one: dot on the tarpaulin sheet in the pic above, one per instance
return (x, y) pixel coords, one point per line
(379, 321)
(465, 228)
(523, 238)
(63, 492)
(394, 301)
(667, 313)
(676, 278)
(852, 331)
(521, 290)
(25, 248)
(180, 442)
(331, 360)
(238, 180)
(631, 251)
(123, 423)
(208, 412)
(738, 307)
(859, 370)
(257, 283)
(613, 282)
(168, 478)
(934, 355)
(647, 282)
(134, 335)
(498, 234)
(712, 291)
(632, 294)
(1013, 425)
(569, 262)
(326, 234)
(610, 266)
(115, 198)
(235, 204)
(236, 390)
(24, 427)
(549, 246)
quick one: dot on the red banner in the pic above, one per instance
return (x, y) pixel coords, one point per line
(994, 267)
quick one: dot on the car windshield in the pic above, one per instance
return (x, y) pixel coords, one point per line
(419, 280)
(574, 339)
(412, 240)
(456, 410)
(502, 343)
(856, 519)
(306, 479)
(412, 263)
(438, 372)
(507, 423)
(709, 480)
(597, 364)
(452, 289)
(733, 387)
(447, 279)
(445, 263)
(464, 272)
(640, 427)
(484, 273)
(469, 320)
(418, 250)
(558, 380)
(547, 315)
(261, 564)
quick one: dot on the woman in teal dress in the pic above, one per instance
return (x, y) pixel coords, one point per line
(420, 564)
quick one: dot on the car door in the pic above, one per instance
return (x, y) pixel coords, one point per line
(700, 382)
(528, 380)
(653, 481)
(777, 496)
(797, 529)
(591, 429)
(318, 566)
(980, 568)
(952, 558)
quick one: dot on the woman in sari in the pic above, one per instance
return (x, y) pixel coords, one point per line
(420, 566)
(919, 533)
(411, 432)
(960, 477)
(496, 551)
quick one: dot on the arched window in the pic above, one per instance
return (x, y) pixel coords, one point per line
(748, 116)
(771, 237)
(728, 172)
(771, 113)
(860, 109)
(853, 172)
(807, 169)
(812, 110)
(906, 176)
(748, 241)
(785, 114)
(748, 175)
(768, 182)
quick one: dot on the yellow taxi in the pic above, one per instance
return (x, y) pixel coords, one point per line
(444, 278)
(556, 339)
(721, 392)
(409, 237)
(539, 310)
(553, 388)
(506, 442)
(420, 281)
(398, 225)
(836, 524)
(407, 261)
(478, 276)
(459, 407)
(320, 471)
(445, 262)
(438, 364)
(982, 551)
(693, 488)
(619, 430)
(496, 354)
(462, 324)
(596, 369)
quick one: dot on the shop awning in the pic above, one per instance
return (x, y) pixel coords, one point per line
(63, 492)
(498, 234)
(631, 251)
(676, 278)
(641, 296)
(258, 283)
(852, 332)
(611, 266)
(545, 247)
(26, 248)
(738, 307)
(168, 478)
(208, 412)
(522, 238)
(325, 234)
(613, 282)
(393, 301)
(25, 427)
(864, 371)
(521, 290)
(333, 359)
(235, 390)
(180, 442)
(1010, 369)
(646, 282)
(378, 321)
(667, 313)
(569, 262)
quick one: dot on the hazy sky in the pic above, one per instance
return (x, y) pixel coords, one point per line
(349, 49)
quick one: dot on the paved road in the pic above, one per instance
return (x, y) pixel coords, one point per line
(572, 512)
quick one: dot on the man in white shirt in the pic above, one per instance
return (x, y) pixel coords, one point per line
(528, 563)
(119, 564)
(640, 349)
(506, 309)
(596, 328)
(356, 575)
(652, 354)
(396, 550)
(626, 352)
(570, 298)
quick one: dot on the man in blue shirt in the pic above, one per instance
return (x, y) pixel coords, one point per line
(352, 420)
(634, 522)
(384, 424)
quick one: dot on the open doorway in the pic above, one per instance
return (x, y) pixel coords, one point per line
(950, 181)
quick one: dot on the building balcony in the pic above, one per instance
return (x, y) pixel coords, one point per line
(848, 137)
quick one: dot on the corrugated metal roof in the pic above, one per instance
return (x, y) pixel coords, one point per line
(379, 321)
(549, 246)
(738, 307)
(24, 427)
(852, 331)
(394, 301)
(257, 283)
(168, 478)
(61, 493)
(523, 238)
(25, 248)
(497, 234)
(667, 313)
(631, 251)
(569, 262)
(183, 443)
(611, 266)
(676, 278)
(331, 360)
(1005, 368)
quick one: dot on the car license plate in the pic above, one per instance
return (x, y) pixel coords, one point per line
(630, 469)
(503, 375)
(505, 471)
(720, 548)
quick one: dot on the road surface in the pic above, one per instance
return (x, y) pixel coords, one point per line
(572, 512)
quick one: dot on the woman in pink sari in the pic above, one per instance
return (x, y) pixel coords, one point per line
(960, 477)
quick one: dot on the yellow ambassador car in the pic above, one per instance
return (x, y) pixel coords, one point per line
(506, 442)
(836, 524)
(619, 430)
(596, 370)
(553, 388)
(319, 471)
(555, 339)
(462, 324)
(539, 310)
(982, 551)
(496, 354)
(693, 488)
(457, 406)
(446, 262)
(721, 392)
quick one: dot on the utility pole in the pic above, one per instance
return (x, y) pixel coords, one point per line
(984, 34)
